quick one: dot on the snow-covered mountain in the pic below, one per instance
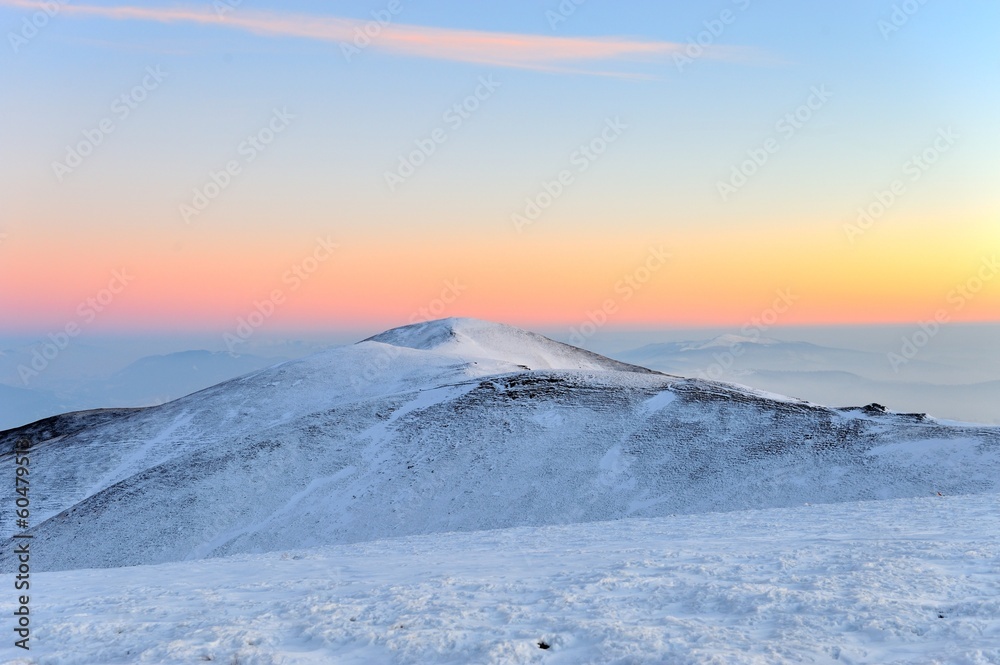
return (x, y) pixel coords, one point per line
(455, 425)
(472, 339)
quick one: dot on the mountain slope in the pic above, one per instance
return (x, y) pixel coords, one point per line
(905, 581)
(431, 430)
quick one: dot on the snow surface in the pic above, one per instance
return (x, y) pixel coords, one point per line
(883, 582)
(484, 340)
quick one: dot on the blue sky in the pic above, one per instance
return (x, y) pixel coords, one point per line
(687, 128)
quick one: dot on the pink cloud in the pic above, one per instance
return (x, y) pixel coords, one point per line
(543, 52)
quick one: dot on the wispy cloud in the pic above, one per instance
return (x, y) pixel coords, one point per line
(542, 52)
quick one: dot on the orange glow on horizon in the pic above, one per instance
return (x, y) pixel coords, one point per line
(540, 278)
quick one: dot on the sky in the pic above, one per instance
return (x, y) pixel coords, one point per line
(204, 166)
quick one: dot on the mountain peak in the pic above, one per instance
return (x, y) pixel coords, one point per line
(476, 339)
(430, 335)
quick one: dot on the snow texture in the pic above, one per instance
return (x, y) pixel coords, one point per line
(883, 582)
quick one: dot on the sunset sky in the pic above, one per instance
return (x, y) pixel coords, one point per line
(374, 180)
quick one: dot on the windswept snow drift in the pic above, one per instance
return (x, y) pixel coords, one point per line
(472, 339)
(455, 425)
(904, 581)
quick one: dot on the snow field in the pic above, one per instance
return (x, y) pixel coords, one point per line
(899, 581)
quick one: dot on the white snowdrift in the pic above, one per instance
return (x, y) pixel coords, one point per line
(473, 339)
(903, 581)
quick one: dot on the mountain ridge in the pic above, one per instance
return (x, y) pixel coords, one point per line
(454, 439)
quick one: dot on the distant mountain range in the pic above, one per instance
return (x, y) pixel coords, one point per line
(821, 374)
(147, 381)
(735, 353)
